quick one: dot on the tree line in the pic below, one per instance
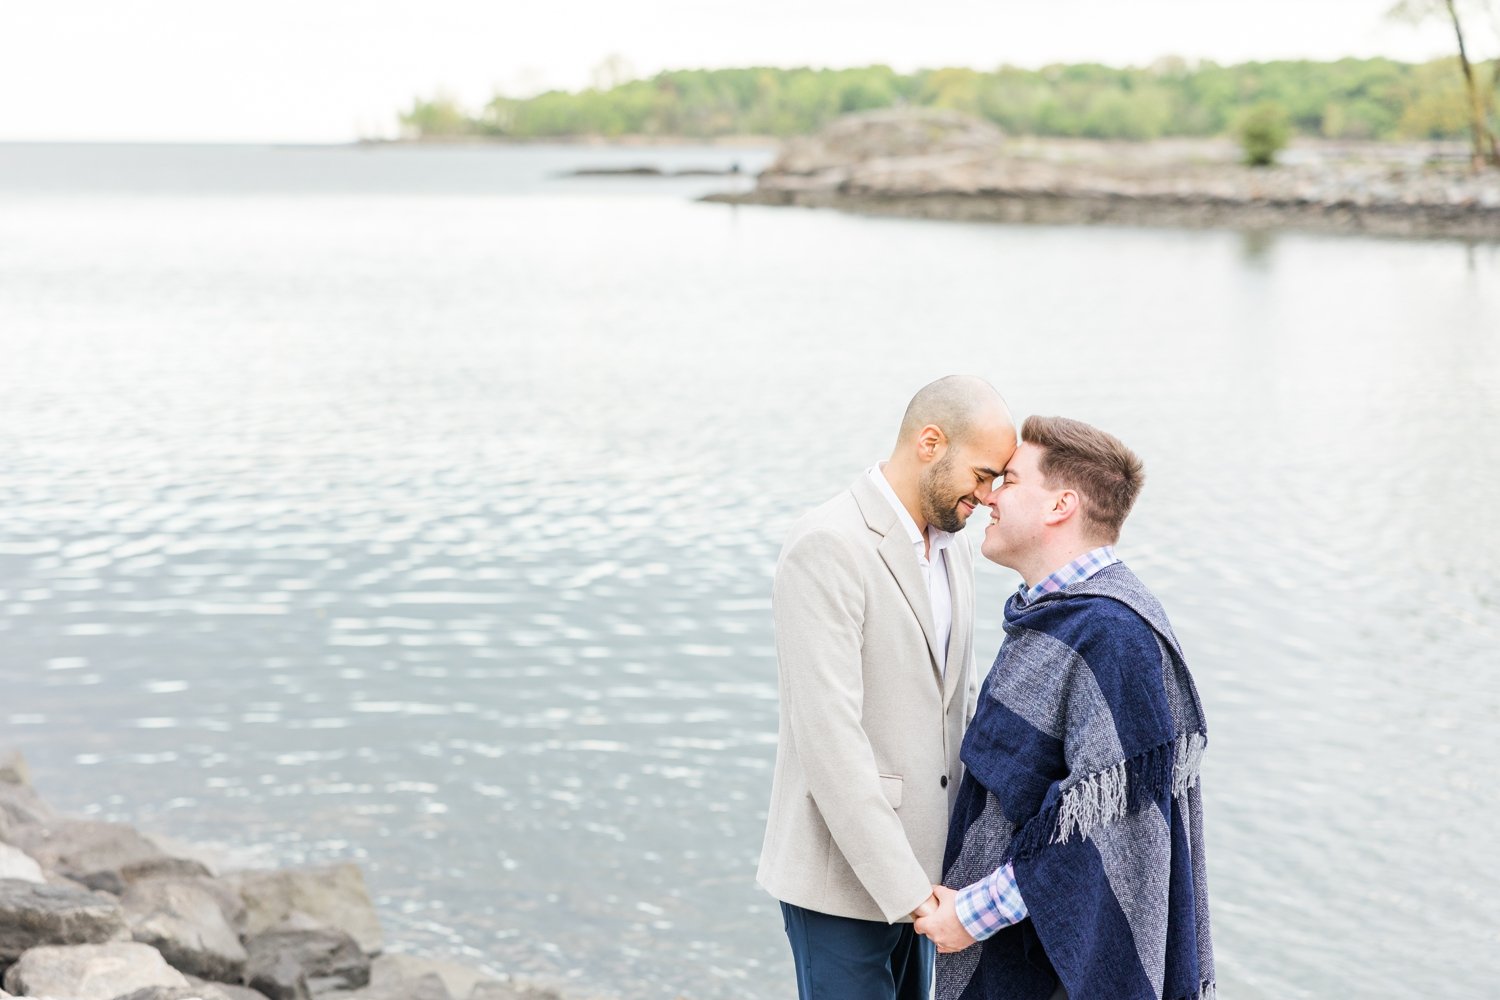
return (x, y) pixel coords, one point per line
(1347, 99)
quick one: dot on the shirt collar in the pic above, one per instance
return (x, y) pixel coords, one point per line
(937, 539)
(1077, 571)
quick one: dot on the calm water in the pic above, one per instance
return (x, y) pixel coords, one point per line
(418, 507)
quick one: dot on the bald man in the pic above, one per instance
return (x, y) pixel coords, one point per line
(874, 606)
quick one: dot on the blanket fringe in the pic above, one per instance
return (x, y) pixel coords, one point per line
(1206, 991)
(1189, 761)
(1100, 798)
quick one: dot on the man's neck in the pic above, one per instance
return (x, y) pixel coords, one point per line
(1054, 559)
(905, 488)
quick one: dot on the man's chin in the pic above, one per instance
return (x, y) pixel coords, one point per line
(946, 520)
(994, 554)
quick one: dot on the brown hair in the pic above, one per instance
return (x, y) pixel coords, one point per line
(1106, 474)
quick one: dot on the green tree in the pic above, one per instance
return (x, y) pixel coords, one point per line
(440, 116)
(1263, 131)
(1485, 147)
(1349, 98)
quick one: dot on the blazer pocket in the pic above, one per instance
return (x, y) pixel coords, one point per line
(890, 784)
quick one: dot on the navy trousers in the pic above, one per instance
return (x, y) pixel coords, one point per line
(840, 958)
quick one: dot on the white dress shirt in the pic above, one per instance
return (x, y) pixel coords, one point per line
(934, 566)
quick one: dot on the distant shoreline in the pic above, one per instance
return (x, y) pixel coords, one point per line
(594, 141)
(1380, 189)
(1185, 212)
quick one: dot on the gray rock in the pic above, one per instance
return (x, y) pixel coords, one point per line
(90, 971)
(513, 991)
(21, 807)
(425, 987)
(189, 992)
(217, 858)
(186, 923)
(323, 958)
(230, 990)
(17, 864)
(13, 769)
(278, 975)
(334, 896)
(106, 856)
(63, 882)
(32, 915)
(460, 979)
(224, 893)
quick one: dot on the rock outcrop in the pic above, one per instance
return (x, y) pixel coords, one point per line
(90, 971)
(333, 895)
(107, 856)
(33, 915)
(304, 951)
(906, 162)
(100, 911)
(18, 865)
(185, 921)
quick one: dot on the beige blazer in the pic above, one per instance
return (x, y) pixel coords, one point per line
(867, 754)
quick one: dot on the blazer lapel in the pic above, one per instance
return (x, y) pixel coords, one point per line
(960, 585)
(896, 550)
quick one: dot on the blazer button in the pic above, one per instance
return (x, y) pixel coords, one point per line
(943, 781)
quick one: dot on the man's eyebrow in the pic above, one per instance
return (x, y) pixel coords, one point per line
(988, 472)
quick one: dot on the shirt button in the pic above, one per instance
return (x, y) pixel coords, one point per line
(943, 781)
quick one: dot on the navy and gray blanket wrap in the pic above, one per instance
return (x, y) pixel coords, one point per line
(1082, 770)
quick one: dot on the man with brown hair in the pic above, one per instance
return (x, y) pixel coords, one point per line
(1075, 851)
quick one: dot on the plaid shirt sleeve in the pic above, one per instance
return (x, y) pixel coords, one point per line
(991, 904)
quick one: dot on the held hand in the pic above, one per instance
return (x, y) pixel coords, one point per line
(927, 907)
(943, 927)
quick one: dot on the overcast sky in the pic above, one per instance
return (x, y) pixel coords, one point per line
(334, 70)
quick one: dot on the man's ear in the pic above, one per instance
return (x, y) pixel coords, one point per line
(1064, 506)
(930, 441)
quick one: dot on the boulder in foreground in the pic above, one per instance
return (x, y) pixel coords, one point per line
(230, 990)
(299, 951)
(186, 923)
(17, 864)
(334, 896)
(177, 993)
(425, 987)
(107, 856)
(90, 971)
(38, 915)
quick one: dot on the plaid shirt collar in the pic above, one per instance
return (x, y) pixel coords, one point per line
(1078, 570)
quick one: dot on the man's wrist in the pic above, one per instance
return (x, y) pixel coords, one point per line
(969, 906)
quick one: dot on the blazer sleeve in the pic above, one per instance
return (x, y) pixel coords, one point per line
(818, 605)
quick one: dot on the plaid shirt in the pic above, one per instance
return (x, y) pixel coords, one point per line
(1077, 571)
(995, 902)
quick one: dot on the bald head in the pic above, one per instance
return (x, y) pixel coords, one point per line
(955, 439)
(957, 405)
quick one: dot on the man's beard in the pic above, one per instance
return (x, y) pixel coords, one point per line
(937, 508)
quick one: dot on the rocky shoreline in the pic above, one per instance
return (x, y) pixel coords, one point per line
(100, 911)
(938, 165)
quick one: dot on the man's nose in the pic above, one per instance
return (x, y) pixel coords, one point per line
(988, 497)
